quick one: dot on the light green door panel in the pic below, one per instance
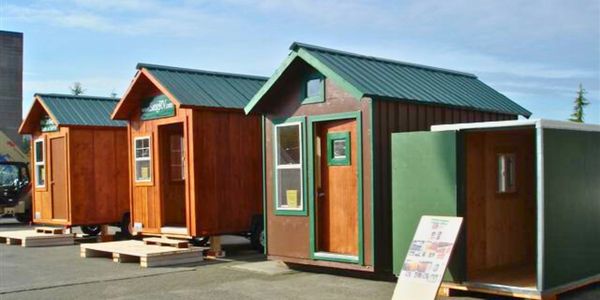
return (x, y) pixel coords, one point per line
(424, 182)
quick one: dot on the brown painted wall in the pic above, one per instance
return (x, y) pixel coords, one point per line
(288, 236)
(396, 116)
(496, 222)
(97, 186)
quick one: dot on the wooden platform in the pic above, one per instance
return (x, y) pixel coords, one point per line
(33, 238)
(147, 255)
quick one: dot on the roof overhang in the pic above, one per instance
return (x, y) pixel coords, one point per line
(536, 123)
(130, 100)
(32, 120)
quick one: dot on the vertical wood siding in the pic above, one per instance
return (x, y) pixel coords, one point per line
(397, 116)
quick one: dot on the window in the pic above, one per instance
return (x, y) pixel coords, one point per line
(506, 173)
(338, 148)
(143, 169)
(313, 90)
(288, 166)
(40, 163)
(177, 157)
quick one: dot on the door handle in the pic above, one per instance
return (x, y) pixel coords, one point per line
(322, 194)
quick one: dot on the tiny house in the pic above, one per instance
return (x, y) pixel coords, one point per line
(194, 156)
(528, 191)
(80, 175)
(328, 116)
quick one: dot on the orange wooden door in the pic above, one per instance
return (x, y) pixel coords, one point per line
(58, 178)
(336, 187)
(172, 175)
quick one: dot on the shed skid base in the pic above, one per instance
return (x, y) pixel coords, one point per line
(148, 255)
(33, 238)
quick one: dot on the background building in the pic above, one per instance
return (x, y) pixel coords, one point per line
(11, 83)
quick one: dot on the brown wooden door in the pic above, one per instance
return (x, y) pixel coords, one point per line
(336, 199)
(58, 178)
(172, 175)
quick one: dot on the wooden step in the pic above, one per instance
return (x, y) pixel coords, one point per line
(50, 230)
(32, 238)
(166, 242)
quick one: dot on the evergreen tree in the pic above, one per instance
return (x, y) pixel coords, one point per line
(77, 89)
(580, 102)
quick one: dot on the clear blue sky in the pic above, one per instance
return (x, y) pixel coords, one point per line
(535, 52)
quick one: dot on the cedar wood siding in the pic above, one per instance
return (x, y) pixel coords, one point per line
(223, 169)
(228, 170)
(400, 116)
(288, 236)
(96, 176)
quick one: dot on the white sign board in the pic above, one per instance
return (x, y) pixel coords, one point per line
(427, 258)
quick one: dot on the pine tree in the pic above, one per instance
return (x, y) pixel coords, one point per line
(580, 103)
(77, 89)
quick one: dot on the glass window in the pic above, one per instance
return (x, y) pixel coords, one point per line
(9, 175)
(40, 163)
(338, 148)
(288, 166)
(313, 89)
(177, 157)
(143, 163)
(506, 173)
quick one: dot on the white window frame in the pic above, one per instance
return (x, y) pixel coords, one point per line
(288, 167)
(41, 163)
(149, 158)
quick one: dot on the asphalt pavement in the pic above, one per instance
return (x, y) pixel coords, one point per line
(59, 273)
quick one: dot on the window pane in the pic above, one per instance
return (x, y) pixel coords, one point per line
(176, 157)
(40, 175)
(339, 148)
(288, 147)
(289, 188)
(39, 151)
(314, 87)
(142, 170)
(9, 175)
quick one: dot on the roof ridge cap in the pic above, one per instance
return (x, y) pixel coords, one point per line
(139, 66)
(297, 45)
(78, 97)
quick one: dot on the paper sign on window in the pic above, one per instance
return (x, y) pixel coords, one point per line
(145, 173)
(427, 258)
(292, 198)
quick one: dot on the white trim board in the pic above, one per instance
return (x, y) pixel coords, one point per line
(538, 123)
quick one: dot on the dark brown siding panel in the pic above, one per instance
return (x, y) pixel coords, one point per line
(397, 116)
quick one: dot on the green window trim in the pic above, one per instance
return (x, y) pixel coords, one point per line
(303, 211)
(331, 139)
(305, 99)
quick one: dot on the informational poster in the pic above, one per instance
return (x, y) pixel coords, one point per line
(427, 258)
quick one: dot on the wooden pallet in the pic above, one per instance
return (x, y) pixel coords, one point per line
(147, 255)
(50, 230)
(166, 242)
(33, 238)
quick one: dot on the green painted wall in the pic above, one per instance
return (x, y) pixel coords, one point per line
(571, 206)
(424, 182)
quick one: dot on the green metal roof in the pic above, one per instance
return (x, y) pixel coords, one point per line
(395, 80)
(206, 88)
(81, 110)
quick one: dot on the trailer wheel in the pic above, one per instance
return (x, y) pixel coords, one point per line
(200, 241)
(126, 227)
(92, 230)
(24, 217)
(257, 233)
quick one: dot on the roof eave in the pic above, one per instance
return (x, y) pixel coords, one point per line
(25, 125)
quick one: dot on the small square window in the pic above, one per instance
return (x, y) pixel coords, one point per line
(313, 89)
(338, 148)
(506, 173)
(143, 162)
